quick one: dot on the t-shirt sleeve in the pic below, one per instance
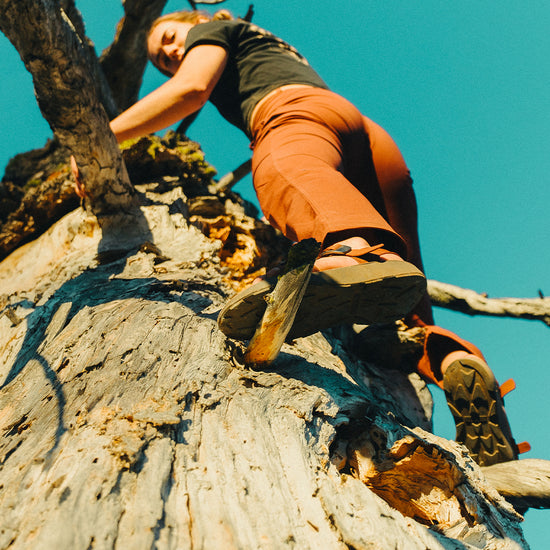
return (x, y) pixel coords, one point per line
(214, 32)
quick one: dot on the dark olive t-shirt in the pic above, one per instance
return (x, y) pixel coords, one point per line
(258, 62)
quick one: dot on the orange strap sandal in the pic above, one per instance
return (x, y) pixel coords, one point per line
(473, 395)
(371, 291)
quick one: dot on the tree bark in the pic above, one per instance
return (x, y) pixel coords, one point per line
(55, 56)
(124, 61)
(129, 421)
(472, 303)
(525, 483)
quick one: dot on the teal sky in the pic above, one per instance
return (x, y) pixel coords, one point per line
(463, 88)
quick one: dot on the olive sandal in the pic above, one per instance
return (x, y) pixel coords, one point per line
(373, 290)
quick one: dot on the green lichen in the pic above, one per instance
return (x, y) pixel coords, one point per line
(154, 147)
(32, 183)
(128, 143)
(183, 150)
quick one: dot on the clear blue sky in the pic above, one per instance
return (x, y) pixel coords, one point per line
(463, 89)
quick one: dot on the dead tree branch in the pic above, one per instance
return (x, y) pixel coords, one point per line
(229, 180)
(55, 56)
(124, 61)
(470, 302)
(525, 483)
(98, 76)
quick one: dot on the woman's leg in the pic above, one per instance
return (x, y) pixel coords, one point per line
(400, 204)
(305, 149)
(396, 185)
(301, 170)
(454, 364)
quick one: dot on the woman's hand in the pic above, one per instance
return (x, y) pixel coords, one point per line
(78, 184)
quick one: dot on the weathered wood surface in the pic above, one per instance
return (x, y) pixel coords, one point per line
(126, 423)
(282, 305)
(472, 303)
(526, 483)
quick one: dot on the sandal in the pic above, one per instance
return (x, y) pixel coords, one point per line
(476, 403)
(372, 291)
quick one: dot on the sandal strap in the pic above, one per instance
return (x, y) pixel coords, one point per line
(507, 387)
(356, 253)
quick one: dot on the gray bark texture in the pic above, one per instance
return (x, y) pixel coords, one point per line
(129, 421)
(524, 483)
(473, 303)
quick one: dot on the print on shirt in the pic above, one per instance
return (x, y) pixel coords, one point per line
(281, 44)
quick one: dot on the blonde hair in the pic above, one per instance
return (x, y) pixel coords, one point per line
(193, 17)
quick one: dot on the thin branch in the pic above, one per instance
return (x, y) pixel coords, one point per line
(470, 302)
(186, 122)
(229, 180)
(249, 14)
(526, 483)
(124, 61)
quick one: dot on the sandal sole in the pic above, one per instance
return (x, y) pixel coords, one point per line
(376, 292)
(473, 396)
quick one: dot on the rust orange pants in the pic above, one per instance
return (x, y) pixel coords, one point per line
(322, 170)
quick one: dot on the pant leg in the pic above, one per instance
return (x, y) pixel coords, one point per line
(317, 173)
(400, 202)
(399, 199)
(308, 154)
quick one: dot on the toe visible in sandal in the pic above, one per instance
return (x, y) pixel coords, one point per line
(371, 291)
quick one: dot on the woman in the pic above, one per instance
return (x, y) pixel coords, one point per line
(321, 170)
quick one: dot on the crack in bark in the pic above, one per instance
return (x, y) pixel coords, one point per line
(165, 491)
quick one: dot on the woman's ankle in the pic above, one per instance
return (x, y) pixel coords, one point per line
(454, 356)
(332, 262)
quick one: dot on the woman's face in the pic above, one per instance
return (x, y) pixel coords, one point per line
(166, 45)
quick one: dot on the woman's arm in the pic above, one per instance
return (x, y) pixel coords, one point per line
(186, 92)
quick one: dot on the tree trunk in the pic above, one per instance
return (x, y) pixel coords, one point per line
(128, 420)
(62, 67)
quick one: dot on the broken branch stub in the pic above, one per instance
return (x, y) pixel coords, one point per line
(282, 305)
